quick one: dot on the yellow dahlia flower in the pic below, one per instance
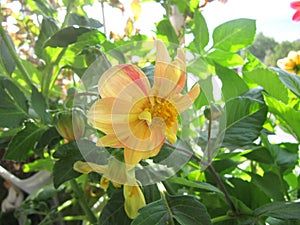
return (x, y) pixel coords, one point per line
(136, 116)
(291, 63)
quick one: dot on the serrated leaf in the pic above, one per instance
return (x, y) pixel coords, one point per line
(234, 35)
(270, 82)
(113, 212)
(280, 210)
(243, 120)
(23, 143)
(66, 36)
(232, 84)
(182, 209)
(285, 112)
(226, 58)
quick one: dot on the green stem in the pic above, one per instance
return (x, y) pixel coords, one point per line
(103, 17)
(221, 219)
(13, 54)
(80, 197)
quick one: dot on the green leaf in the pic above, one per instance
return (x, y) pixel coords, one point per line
(234, 35)
(183, 209)
(232, 84)
(200, 32)
(290, 80)
(194, 184)
(113, 212)
(13, 104)
(66, 36)
(226, 58)
(285, 112)
(39, 105)
(280, 210)
(21, 146)
(6, 60)
(166, 32)
(63, 171)
(82, 21)
(243, 120)
(252, 62)
(270, 82)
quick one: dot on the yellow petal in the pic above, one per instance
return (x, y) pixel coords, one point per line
(134, 200)
(124, 81)
(104, 183)
(133, 157)
(171, 132)
(87, 167)
(162, 54)
(109, 140)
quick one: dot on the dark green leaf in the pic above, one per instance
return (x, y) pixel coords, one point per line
(260, 154)
(82, 21)
(47, 141)
(226, 58)
(269, 81)
(232, 83)
(280, 210)
(63, 171)
(291, 81)
(39, 105)
(6, 61)
(21, 146)
(113, 212)
(66, 36)
(194, 184)
(269, 183)
(243, 120)
(47, 29)
(234, 35)
(182, 209)
(166, 32)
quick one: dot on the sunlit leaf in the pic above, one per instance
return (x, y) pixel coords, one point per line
(285, 112)
(225, 58)
(270, 82)
(234, 35)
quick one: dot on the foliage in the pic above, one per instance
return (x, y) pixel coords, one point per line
(235, 173)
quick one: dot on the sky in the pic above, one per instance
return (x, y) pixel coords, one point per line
(273, 17)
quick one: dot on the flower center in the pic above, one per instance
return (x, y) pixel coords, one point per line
(160, 112)
(165, 110)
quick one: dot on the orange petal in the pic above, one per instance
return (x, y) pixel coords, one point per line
(182, 102)
(124, 81)
(87, 167)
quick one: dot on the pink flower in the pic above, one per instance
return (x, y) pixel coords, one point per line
(296, 5)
